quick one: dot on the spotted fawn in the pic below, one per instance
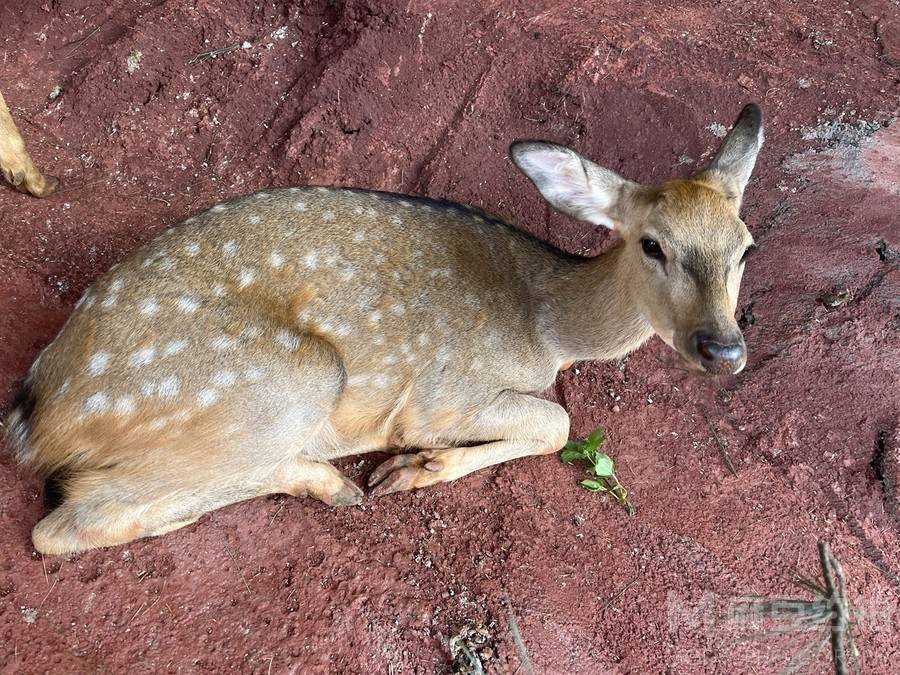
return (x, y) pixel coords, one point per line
(240, 351)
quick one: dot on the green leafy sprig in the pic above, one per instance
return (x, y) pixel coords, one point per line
(600, 467)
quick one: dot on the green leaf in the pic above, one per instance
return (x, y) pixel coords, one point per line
(592, 485)
(603, 465)
(569, 455)
(575, 446)
(595, 438)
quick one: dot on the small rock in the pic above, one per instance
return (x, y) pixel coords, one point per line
(718, 130)
(836, 298)
(55, 92)
(133, 62)
(803, 83)
(29, 614)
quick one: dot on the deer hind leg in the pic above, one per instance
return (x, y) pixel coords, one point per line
(16, 164)
(102, 510)
(519, 424)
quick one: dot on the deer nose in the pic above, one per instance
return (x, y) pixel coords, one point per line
(718, 355)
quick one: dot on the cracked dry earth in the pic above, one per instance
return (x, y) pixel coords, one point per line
(424, 97)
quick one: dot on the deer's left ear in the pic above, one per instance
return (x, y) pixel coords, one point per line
(574, 185)
(730, 169)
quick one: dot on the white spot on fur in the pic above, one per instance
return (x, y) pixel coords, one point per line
(219, 208)
(229, 247)
(288, 339)
(96, 403)
(219, 290)
(168, 387)
(97, 364)
(328, 216)
(149, 307)
(276, 260)
(206, 397)
(174, 347)
(142, 356)
(253, 374)
(223, 342)
(251, 332)
(299, 206)
(109, 300)
(188, 302)
(398, 309)
(165, 264)
(224, 378)
(441, 272)
(192, 249)
(396, 220)
(404, 203)
(116, 286)
(359, 236)
(381, 381)
(389, 360)
(309, 260)
(375, 316)
(124, 405)
(347, 272)
(254, 219)
(422, 339)
(378, 258)
(246, 277)
(331, 256)
(158, 423)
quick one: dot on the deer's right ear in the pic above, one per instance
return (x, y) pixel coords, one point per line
(733, 163)
(572, 184)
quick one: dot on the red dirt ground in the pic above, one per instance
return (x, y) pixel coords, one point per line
(424, 97)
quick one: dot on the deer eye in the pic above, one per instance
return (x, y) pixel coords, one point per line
(652, 249)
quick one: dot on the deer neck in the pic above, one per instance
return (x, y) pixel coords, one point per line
(588, 311)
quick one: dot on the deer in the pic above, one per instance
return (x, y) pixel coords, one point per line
(241, 351)
(16, 164)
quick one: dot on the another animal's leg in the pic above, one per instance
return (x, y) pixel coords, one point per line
(16, 164)
(517, 425)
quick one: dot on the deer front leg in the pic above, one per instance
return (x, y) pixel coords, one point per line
(522, 425)
(15, 163)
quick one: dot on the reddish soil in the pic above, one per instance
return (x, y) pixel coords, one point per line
(424, 97)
